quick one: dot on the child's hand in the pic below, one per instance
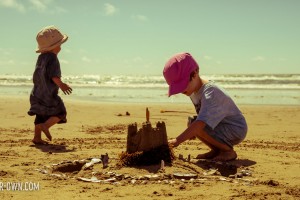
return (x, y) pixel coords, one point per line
(65, 88)
(173, 143)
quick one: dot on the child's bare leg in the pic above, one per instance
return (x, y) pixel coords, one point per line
(197, 129)
(50, 122)
(224, 154)
(37, 139)
(208, 155)
(219, 151)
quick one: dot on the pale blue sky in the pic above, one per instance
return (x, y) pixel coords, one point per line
(138, 36)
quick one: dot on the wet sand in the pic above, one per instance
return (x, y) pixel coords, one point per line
(267, 166)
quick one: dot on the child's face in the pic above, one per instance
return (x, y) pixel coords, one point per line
(190, 89)
(192, 86)
(56, 50)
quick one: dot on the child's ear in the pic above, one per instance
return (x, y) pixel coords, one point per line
(194, 74)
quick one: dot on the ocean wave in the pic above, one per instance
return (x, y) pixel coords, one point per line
(234, 81)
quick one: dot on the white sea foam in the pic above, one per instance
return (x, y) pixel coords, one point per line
(245, 89)
(249, 81)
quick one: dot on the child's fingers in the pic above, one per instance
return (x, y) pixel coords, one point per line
(68, 91)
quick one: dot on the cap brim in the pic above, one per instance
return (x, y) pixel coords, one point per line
(65, 38)
(178, 87)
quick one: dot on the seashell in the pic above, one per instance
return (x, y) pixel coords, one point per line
(172, 182)
(152, 177)
(43, 171)
(231, 176)
(126, 176)
(144, 182)
(239, 175)
(93, 179)
(210, 172)
(110, 180)
(96, 160)
(61, 177)
(246, 172)
(111, 174)
(88, 165)
(147, 176)
(133, 181)
(185, 176)
(201, 180)
(119, 176)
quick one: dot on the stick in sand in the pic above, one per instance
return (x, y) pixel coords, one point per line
(147, 115)
(175, 111)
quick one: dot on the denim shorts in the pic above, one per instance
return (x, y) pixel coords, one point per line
(227, 134)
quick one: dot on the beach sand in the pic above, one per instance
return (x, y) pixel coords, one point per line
(269, 158)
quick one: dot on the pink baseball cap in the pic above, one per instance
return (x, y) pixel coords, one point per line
(177, 72)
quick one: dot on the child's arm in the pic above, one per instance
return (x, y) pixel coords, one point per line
(190, 132)
(64, 87)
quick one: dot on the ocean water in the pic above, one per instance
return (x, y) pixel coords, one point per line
(270, 89)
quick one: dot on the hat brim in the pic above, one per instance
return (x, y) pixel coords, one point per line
(178, 87)
(63, 40)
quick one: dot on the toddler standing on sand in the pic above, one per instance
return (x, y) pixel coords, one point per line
(219, 124)
(46, 105)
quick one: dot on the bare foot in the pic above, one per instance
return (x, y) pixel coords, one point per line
(46, 131)
(209, 155)
(226, 156)
(36, 142)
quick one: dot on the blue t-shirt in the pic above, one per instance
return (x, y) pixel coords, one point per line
(214, 106)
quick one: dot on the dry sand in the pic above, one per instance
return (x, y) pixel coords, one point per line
(270, 154)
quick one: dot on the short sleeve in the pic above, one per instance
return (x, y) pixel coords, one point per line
(212, 110)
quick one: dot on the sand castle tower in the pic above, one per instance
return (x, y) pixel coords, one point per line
(147, 145)
(147, 137)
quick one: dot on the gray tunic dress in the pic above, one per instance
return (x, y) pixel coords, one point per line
(44, 99)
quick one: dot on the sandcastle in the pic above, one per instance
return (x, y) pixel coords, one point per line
(147, 137)
(147, 145)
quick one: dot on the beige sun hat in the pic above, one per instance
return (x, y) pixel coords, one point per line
(48, 38)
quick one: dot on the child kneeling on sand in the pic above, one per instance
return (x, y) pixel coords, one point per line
(219, 123)
(46, 105)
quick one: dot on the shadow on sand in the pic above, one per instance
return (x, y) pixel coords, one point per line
(52, 148)
(225, 168)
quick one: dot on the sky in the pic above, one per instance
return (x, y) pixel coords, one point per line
(137, 37)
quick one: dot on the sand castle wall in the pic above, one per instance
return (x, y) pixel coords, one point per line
(147, 137)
